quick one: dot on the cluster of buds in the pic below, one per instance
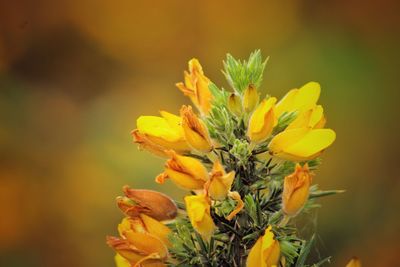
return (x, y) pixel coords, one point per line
(247, 165)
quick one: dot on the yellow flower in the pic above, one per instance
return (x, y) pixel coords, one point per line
(198, 210)
(195, 131)
(157, 134)
(299, 100)
(301, 144)
(354, 262)
(235, 104)
(265, 252)
(262, 120)
(250, 98)
(196, 86)
(151, 203)
(186, 172)
(296, 189)
(143, 241)
(218, 187)
(220, 182)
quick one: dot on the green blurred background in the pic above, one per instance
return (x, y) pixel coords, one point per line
(75, 75)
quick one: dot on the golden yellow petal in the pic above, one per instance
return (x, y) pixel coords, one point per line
(354, 262)
(311, 143)
(254, 258)
(250, 98)
(147, 242)
(307, 96)
(156, 228)
(183, 180)
(286, 103)
(121, 261)
(286, 138)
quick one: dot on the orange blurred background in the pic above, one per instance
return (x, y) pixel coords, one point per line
(75, 75)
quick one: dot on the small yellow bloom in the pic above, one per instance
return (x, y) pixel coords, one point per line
(158, 134)
(220, 182)
(299, 100)
(265, 252)
(235, 104)
(354, 262)
(250, 98)
(143, 241)
(262, 120)
(151, 203)
(301, 143)
(198, 210)
(196, 86)
(296, 189)
(186, 172)
(195, 131)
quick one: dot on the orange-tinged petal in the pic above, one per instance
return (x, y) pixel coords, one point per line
(262, 121)
(156, 228)
(296, 190)
(147, 243)
(354, 262)
(195, 131)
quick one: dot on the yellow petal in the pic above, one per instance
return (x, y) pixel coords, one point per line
(156, 228)
(254, 258)
(286, 103)
(146, 242)
(183, 180)
(195, 131)
(262, 120)
(313, 142)
(121, 261)
(198, 209)
(158, 127)
(302, 143)
(354, 262)
(307, 96)
(299, 100)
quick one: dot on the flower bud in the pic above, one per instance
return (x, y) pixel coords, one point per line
(151, 203)
(235, 104)
(296, 189)
(195, 131)
(262, 121)
(250, 98)
(186, 172)
(198, 210)
(265, 252)
(354, 262)
(196, 86)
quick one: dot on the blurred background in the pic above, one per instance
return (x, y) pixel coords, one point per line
(75, 75)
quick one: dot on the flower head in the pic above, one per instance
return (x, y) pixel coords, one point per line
(220, 182)
(195, 131)
(265, 252)
(198, 210)
(296, 190)
(143, 240)
(186, 172)
(196, 86)
(157, 134)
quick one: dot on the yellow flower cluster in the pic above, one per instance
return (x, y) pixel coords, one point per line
(185, 141)
(143, 238)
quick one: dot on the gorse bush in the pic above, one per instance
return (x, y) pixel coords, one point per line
(247, 162)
